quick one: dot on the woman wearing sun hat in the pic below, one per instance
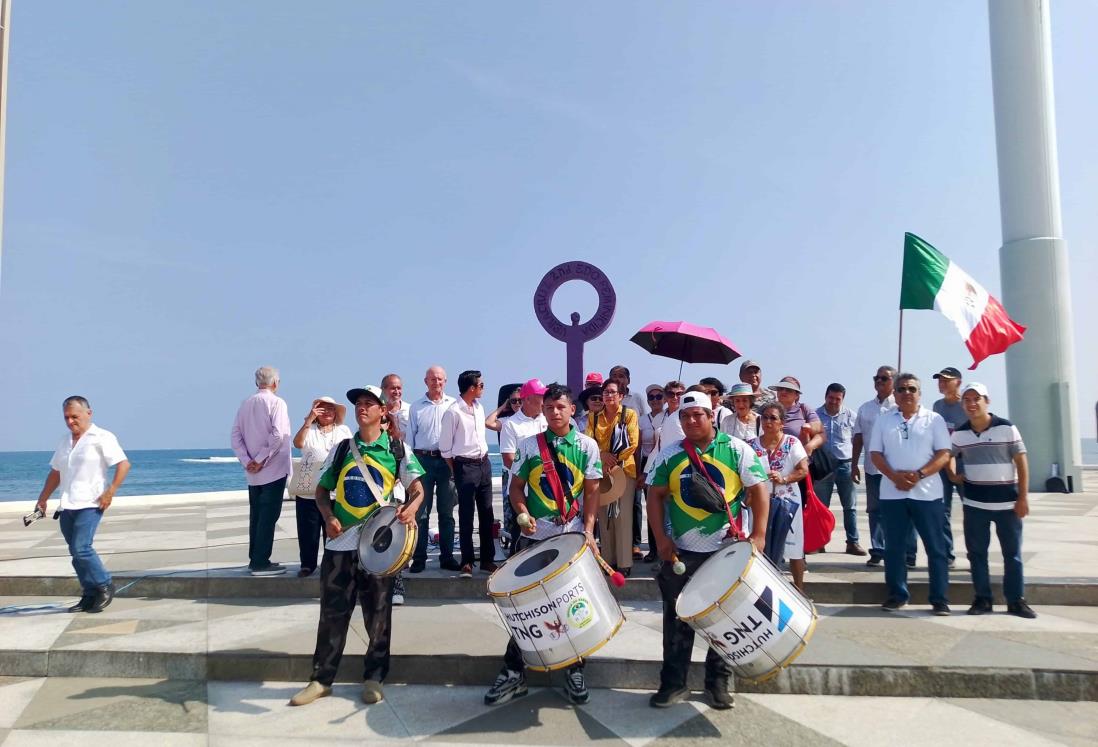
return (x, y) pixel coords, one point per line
(323, 429)
(744, 421)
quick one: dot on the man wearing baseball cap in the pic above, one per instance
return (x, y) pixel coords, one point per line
(996, 481)
(696, 533)
(343, 582)
(751, 374)
(949, 407)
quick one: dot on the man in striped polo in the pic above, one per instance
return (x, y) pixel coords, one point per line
(996, 486)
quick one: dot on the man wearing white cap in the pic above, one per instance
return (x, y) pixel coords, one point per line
(996, 492)
(528, 421)
(697, 532)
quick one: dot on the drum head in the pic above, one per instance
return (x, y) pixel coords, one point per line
(715, 577)
(381, 541)
(535, 564)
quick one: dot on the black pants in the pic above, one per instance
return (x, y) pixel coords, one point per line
(474, 486)
(678, 637)
(437, 490)
(310, 531)
(512, 657)
(341, 582)
(264, 508)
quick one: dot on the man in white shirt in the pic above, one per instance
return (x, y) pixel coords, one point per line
(528, 421)
(465, 449)
(398, 410)
(863, 428)
(909, 446)
(261, 440)
(79, 467)
(424, 427)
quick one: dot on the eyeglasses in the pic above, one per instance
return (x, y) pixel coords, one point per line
(655, 395)
(907, 389)
(478, 385)
(771, 417)
(882, 378)
(515, 401)
(611, 393)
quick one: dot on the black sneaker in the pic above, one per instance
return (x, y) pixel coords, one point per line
(575, 686)
(980, 606)
(874, 561)
(666, 697)
(1019, 608)
(449, 565)
(103, 597)
(417, 566)
(509, 684)
(892, 605)
(85, 602)
(271, 569)
(940, 609)
(911, 562)
(718, 697)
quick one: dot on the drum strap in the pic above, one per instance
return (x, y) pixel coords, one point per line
(549, 469)
(696, 463)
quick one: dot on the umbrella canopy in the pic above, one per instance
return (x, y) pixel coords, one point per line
(685, 342)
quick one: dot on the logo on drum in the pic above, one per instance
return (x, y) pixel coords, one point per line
(556, 629)
(580, 612)
(765, 605)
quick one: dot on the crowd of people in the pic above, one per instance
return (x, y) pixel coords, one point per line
(763, 443)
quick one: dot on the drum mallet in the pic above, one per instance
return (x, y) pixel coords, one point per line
(616, 577)
(524, 520)
(678, 566)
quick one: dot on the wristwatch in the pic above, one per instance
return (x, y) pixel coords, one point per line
(919, 472)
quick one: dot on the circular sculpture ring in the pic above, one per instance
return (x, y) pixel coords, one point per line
(558, 276)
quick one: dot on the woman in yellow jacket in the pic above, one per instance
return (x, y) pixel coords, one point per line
(618, 435)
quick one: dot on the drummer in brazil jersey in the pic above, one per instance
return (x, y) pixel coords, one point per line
(578, 466)
(697, 532)
(345, 499)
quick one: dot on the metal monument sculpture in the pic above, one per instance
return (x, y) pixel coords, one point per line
(574, 335)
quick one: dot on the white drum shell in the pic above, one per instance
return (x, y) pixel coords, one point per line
(565, 613)
(760, 622)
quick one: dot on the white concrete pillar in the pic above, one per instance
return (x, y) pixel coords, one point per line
(1033, 259)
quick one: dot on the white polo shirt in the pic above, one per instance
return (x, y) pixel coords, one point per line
(516, 428)
(84, 466)
(863, 424)
(908, 444)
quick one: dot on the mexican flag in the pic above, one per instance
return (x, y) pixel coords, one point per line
(931, 281)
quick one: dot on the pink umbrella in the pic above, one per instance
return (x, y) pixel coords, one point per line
(685, 342)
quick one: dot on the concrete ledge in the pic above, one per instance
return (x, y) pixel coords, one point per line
(256, 665)
(642, 589)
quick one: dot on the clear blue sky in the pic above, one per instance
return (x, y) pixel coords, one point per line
(196, 189)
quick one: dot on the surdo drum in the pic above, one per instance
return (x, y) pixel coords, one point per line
(748, 612)
(554, 601)
(385, 545)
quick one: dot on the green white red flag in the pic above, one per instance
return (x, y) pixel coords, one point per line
(932, 281)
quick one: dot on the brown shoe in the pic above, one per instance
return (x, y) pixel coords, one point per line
(489, 568)
(371, 692)
(853, 548)
(313, 691)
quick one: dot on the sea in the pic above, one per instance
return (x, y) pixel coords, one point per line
(153, 472)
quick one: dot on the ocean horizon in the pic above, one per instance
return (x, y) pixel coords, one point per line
(153, 472)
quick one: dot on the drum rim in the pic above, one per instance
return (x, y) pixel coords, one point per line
(585, 654)
(728, 593)
(572, 561)
(792, 657)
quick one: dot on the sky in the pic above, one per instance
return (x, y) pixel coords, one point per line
(346, 189)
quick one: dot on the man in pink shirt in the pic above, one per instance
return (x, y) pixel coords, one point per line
(261, 441)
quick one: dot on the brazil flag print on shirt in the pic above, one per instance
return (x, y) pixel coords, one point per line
(352, 499)
(731, 463)
(581, 459)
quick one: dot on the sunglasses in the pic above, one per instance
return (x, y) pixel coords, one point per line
(771, 417)
(907, 389)
(904, 430)
(882, 378)
(676, 393)
(712, 392)
(655, 395)
(515, 401)
(595, 398)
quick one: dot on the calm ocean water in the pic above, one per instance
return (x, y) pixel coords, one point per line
(154, 472)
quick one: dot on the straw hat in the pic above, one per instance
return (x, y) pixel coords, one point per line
(612, 485)
(341, 410)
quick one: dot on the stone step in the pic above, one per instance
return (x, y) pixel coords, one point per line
(822, 588)
(856, 650)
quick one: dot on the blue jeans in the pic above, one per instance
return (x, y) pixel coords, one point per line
(948, 489)
(899, 517)
(845, 482)
(78, 528)
(876, 527)
(1008, 527)
(436, 484)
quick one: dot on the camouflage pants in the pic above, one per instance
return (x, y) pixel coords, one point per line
(342, 582)
(678, 637)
